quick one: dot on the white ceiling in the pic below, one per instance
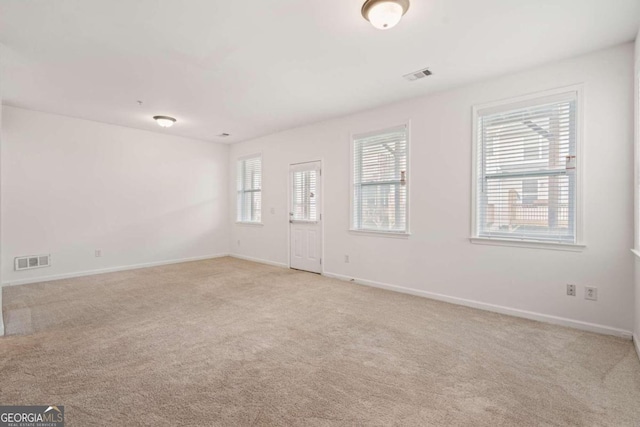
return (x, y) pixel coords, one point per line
(253, 67)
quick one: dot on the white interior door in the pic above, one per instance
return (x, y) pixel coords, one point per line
(305, 217)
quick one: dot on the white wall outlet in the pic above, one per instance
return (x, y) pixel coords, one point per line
(571, 290)
(346, 259)
(272, 210)
(98, 253)
(238, 242)
(591, 293)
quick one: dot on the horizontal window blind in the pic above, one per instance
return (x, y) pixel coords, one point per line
(380, 181)
(249, 185)
(304, 203)
(526, 183)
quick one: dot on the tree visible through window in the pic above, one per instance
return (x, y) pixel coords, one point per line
(380, 181)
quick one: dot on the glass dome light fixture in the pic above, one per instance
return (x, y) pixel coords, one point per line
(164, 121)
(384, 14)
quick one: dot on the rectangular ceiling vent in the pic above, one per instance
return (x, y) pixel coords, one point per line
(32, 261)
(417, 75)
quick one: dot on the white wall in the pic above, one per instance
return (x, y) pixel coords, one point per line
(71, 186)
(438, 258)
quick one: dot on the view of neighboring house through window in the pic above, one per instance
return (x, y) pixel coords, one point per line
(379, 197)
(249, 203)
(526, 170)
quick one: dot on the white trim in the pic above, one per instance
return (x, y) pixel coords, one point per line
(1, 317)
(249, 156)
(556, 246)
(238, 192)
(301, 166)
(530, 100)
(534, 96)
(352, 135)
(110, 270)
(259, 260)
(636, 344)
(580, 152)
(374, 233)
(250, 223)
(636, 252)
(546, 318)
(636, 151)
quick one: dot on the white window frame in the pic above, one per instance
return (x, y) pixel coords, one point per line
(242, 159)
(519, 102)
(379, 233)
(636, 145)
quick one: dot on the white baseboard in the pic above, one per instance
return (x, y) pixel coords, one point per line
(636, 344)
(259, 260)
(577, 324)
(109, 270)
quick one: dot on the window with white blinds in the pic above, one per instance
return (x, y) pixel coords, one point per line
(379, 198)
(526, 170)
(249, 185)
(304, 203)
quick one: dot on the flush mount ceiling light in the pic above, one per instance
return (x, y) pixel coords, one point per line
(384, 14)
(164, 121)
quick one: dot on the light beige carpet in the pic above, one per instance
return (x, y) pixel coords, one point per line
(229, 342)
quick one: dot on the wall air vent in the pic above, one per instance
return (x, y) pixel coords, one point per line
(417, 75)
(32, 261)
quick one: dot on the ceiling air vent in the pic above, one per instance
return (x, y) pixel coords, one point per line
(32, 261)
(417, 75)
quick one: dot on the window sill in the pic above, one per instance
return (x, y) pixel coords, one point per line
(372, 233)
(250, 224)
(527, 244)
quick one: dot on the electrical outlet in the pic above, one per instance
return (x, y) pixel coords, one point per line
(571, 290)
(98, 253)
(272, 210)
(238, 242)
(591, 293)
(346, 259)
